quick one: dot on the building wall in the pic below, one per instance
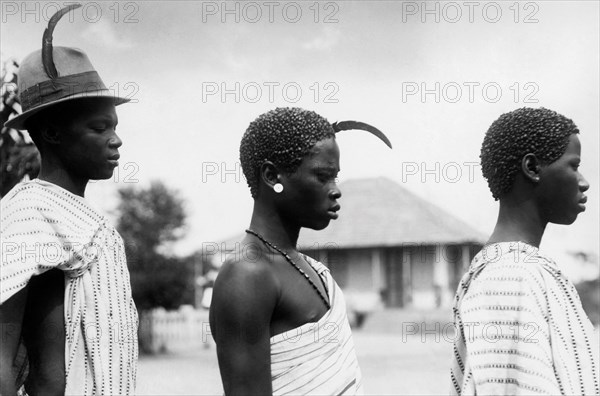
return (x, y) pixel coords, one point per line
(412, 275)
(361, 276)
(396, 289)
(422, 258)
(352, 269)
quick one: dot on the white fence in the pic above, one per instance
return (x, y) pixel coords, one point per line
(162, 331)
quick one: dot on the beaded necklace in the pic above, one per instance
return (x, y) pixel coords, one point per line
(289, 260)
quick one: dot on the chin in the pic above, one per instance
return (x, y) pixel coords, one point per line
(103, 176)
(566, 220)
(318, 226)
(571, 220)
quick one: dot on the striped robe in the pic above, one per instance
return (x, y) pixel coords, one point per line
(44, 226)
(317, 358)
(521, 328)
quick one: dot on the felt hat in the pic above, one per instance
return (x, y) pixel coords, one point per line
(55, 75)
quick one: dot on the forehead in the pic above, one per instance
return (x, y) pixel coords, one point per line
(93, 110)
(325, 150)
(572, 151)
(574, 146)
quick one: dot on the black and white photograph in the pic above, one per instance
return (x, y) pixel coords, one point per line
(352, 197)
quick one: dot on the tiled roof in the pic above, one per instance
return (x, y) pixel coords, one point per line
(380, 212)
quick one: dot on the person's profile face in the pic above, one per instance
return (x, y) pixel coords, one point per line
(311, 192)
(89, 145)
(561, 187)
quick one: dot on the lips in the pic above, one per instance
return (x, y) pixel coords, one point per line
(582, 202)
(114, 160)
(333, 211)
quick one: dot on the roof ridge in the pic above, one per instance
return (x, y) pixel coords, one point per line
(386, 213)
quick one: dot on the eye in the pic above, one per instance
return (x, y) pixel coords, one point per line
(328, 177)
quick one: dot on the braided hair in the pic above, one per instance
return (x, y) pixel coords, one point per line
(542, 132)
(283, 136)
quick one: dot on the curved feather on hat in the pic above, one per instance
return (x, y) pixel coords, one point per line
(47, 59)
(348, 125)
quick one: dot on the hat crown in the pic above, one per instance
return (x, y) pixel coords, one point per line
(55, 75)
(68, 61)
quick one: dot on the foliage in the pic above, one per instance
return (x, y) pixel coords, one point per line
(18, 155)
(589, 293)
(165, 282)
(150, 220)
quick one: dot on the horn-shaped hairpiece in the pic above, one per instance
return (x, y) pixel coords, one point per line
(47, 59)
(348, 125)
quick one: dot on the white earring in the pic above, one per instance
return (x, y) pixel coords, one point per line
(278, 187)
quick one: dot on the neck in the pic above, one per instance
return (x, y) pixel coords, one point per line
(52, 171)
(267, 222)
(518, 221)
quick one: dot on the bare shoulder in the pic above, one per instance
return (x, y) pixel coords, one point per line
(246, 289)
(245, 267)
(244, 298)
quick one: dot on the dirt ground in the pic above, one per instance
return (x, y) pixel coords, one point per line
(392, 364)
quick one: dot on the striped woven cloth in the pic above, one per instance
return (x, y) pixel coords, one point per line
(44, 226)
(521, 328)
(317, 358)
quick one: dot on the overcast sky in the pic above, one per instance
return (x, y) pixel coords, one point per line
(432, 79)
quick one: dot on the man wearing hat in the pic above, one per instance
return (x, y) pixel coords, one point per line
(69, 324)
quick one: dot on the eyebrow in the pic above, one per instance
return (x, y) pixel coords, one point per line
(104, 118)
(327, 168)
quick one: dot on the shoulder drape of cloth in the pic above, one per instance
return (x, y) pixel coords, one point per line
(43, 227)
(317, 358)
(521, 328)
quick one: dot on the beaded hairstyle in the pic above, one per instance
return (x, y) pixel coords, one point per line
(283, 136)
(542, 132)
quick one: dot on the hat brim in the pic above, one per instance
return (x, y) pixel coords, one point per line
(18, 122)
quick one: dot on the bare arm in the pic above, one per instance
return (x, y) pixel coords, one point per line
(44, 334)
(11, 319)
(244, 297)
(37, 313)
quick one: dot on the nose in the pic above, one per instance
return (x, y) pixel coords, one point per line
(583, 184)
(115, 141)
(335, 193)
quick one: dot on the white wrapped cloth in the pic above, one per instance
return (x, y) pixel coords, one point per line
(317, 358)
(521, 328)
(43, 227)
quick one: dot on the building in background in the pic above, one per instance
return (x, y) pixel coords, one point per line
(390, 247)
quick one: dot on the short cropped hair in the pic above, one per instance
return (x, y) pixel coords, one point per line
(513, 135)
(283, 136)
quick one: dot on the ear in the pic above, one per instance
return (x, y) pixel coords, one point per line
(531, 167)
(51, 135)
(269, 174)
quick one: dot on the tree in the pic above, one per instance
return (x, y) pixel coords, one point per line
(18, 155)
(150, 220)
(589, 292)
